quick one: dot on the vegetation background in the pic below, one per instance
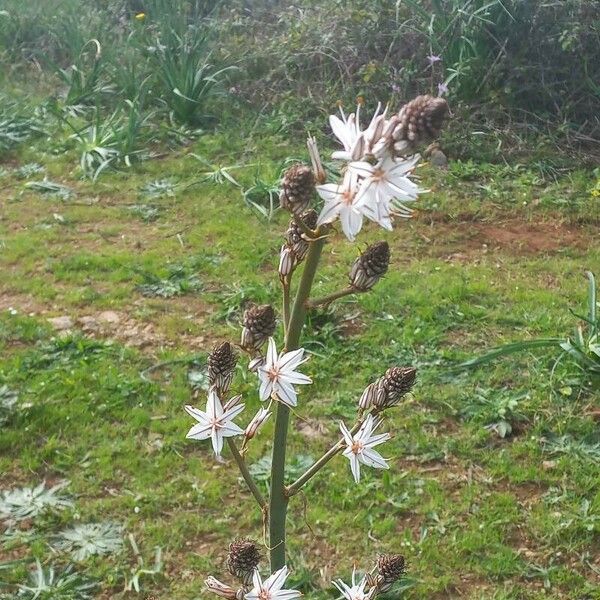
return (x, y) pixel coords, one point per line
(141, 146)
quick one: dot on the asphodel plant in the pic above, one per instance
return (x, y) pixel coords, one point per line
(376, 184)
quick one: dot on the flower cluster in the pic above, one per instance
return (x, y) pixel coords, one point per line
(375, 181)
(243, 562)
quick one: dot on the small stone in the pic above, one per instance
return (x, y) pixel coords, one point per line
(61, 323)
(109, 316)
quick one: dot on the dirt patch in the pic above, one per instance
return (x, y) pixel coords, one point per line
(459, 240)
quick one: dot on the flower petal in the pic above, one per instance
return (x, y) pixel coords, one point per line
(372, 458)
(330, 212)
(290, 360)
(355, 467)
(230, 430)
(271, 353)
(199, 415)
(276, 581)
(266, 386)
(199, 432)
(286, 393)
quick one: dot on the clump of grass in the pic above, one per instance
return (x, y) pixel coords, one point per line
(51, 188)
(8, 404)
(16, 128)
(89, 539)
(50, 583)
(159, 188)
(27, 503)
(29, 170)
(179, 281)
(583, 347)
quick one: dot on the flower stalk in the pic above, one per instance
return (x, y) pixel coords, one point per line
(279, 499)
(243, 467)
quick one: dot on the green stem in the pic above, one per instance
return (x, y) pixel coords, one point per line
(279, 500)
(241, 463)
(326, 300)
(286, 284)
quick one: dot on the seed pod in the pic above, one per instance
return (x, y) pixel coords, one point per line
(259, 326)
(221, 366)
(391, 567)
(286, 261)
(244, 556)
(295, 238)
(220, 589)
(297, 187)
(396, 382)
(421, 119)
(370, 266)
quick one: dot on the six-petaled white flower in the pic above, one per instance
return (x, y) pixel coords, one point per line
(360, 447)
(357, 591)
(215, 423)
(341, 201)
(271, 588)
(384, 188)
(278, 375)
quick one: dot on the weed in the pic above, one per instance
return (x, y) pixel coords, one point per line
(49, 583)
(28, 503)
(85, 540)
(51, 188)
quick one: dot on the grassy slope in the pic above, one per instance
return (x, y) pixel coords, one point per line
(493, 255)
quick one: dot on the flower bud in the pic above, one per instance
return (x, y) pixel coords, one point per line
(259, 325)
(297, 187)
(232, 403)
(257, 422)
(220, 589)
(315, 160)
(295, 239)
(221, 367)
(370, 266)
(256, 363)
(243, 558)
(371, 396)
(286, 261)
(396, 382)
(390, 567)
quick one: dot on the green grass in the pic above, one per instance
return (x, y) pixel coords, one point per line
(494, 254)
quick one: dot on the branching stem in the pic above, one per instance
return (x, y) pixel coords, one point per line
(326, 300)
(295, 487)
(241, 463)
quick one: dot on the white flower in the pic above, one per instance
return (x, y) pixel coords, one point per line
(357, 591)
(220, 589)
(384, 188)
(347, 131)
(215, 423)
(278, 375)
(342, 201)
(271, 588)
(359, 448)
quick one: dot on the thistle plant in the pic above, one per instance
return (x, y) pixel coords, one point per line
(376, 184)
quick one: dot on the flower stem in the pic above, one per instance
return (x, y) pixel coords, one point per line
(279, 499)
(286, 284)
(241, 463)
(295, 487)
(325, 300)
